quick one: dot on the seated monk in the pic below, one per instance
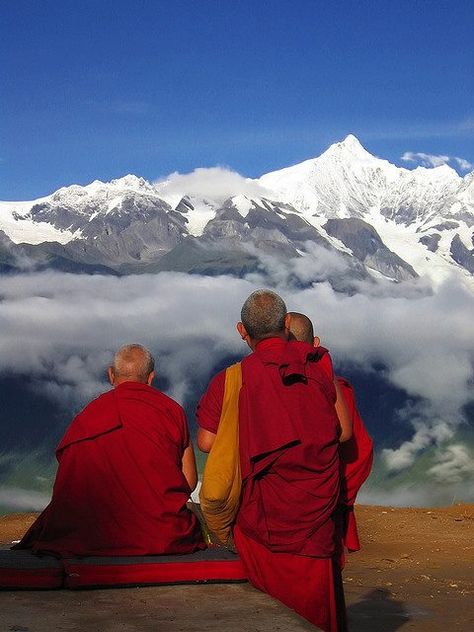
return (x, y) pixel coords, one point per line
(126, 470)
(301, 329)
(284, 530)
(356, 454)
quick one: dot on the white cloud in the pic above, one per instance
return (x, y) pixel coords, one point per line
(455, 463)
(426, 434)
(213, 183)
(427, 160)
(19, 499)
(418, 494)
(464, 165)
(71, 324)
(434, 160)
(61, 330)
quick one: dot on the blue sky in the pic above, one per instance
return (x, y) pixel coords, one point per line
(100, 89)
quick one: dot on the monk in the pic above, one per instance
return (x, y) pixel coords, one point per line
(301, 329)
(284, 530)
(126, 470)
(356, 454)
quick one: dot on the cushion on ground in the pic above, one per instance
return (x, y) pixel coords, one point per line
(211, 565)
(22, 569)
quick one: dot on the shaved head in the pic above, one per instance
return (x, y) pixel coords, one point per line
(263, 314)
(301, 327)
(133, 363)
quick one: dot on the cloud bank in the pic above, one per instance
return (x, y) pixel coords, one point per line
(20, 499)
(213, 183)
(63, 329)
(434, 160)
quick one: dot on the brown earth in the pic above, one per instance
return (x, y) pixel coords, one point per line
(415, 572)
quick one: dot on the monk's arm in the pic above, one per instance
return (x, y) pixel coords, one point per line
(343, 415)
(205, 440)
(188, 465)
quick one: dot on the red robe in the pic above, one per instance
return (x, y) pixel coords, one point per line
(285, 531)
(356, 462)
(356, 457)
(119, 488)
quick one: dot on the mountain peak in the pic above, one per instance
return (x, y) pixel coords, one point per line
(130, 181)
(351, 141)
(350, 145)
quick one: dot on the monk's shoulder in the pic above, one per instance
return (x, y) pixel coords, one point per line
(218, 381)
(98, 417)
(215, 388)
(102, 403)
(168, 403)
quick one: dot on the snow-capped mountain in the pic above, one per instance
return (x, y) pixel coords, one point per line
(424, 215)
(380, 218)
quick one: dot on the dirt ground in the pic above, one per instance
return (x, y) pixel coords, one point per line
(415, 572)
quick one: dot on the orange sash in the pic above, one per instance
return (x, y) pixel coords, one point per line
(221, 483)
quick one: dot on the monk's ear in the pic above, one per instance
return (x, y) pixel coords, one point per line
(242, 331)
(150, 378)
(316, 341)
(287, 322)
(111, 374)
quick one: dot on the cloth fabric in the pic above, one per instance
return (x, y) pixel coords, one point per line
(216, 565)
(120, 489)
(325, 362)
(210, 405)
(24, 569)
(311, 586)
(21, 569)
(356, 457)
(220, 490)
(290, 472)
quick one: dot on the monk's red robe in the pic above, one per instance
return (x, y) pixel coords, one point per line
(120, 489)
(356, 456)
(288, 433)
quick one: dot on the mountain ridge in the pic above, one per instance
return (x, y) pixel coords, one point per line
(421, 220)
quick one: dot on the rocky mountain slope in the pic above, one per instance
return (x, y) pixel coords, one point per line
(379, 218)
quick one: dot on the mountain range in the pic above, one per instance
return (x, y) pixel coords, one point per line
(382, 220)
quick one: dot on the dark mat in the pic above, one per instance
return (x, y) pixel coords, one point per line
(22, 569)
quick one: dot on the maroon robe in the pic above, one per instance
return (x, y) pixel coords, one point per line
(356, 456)
(285, 531)
(120, 489)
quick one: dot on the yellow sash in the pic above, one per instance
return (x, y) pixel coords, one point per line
(220, 490)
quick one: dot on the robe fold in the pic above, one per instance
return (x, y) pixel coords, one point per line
(120, 489)
(312, 586)
(288, 434)
(356, 457)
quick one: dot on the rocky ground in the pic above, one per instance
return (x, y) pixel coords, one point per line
(415, 572)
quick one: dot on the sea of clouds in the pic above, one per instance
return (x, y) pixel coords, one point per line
(62, 329)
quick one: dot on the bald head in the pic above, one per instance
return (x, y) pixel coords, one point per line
(263, 315)
(132, 363)
(301, 327)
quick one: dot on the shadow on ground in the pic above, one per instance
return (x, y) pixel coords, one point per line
(377, 611)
